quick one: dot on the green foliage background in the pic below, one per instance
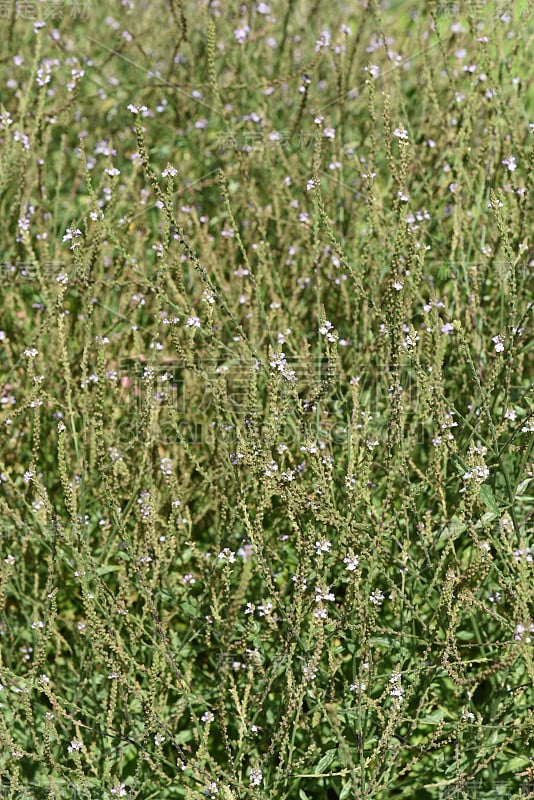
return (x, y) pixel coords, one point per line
(266, 400)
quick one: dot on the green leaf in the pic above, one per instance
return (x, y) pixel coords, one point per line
(108, 568)
(346, 791)
(182, 737)
(488, 498)
(434, 717)
(514, 765)
(326, 761)
(385, 641)
(465, 636)
(521, 489)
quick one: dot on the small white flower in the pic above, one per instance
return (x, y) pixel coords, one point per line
(264, 609)
(169, 172)
(499, 342)
(373, 70)
(256, 776)
(135, 109)
(411, 341)
(75, 745)
(207, 717)
(271, 469)
(397, 690)
(376, 597)
(401, 133)
(166, 466)
(351, 561)
(478, 474)
(324, 594)
(326, 330)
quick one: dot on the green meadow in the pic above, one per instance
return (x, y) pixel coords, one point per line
(266, 409)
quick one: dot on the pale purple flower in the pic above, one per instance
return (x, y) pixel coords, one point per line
(241, 33)
(324, 41)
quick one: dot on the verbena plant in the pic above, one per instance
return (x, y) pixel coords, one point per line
(266, 466)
